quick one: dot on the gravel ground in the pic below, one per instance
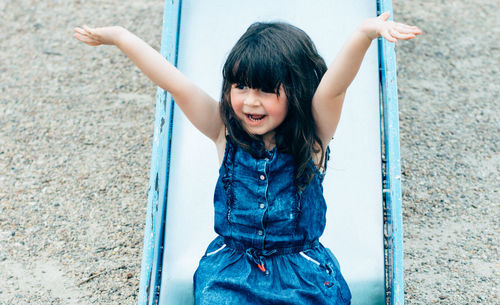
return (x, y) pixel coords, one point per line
(449, 118)
(76, 129)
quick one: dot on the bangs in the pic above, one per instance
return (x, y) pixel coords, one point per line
(256, 66)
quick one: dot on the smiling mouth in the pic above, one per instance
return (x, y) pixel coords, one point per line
(256, 117)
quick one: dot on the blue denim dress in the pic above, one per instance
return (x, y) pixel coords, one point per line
(267, 251)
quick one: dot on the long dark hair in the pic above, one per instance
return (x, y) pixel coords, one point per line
(268, 56)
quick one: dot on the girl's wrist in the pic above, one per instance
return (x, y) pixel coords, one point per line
(369, 36)
(368, 28)
(119, 34)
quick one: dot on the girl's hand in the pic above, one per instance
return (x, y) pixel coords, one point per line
(98, 36)
(390, 30)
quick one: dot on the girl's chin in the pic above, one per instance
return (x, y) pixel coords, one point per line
(254, 131)
(257, 132)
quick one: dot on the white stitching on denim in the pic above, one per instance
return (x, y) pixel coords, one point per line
(309, 258)
(213, 252)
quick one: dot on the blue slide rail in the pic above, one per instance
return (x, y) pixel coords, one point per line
(393, 219)
(152, 252)
(160, 162)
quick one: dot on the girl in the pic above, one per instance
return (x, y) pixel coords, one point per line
(279, 108)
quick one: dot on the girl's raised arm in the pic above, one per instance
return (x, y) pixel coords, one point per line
(197, 105)
(328, 99)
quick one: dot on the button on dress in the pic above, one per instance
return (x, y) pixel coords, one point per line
(267, 249)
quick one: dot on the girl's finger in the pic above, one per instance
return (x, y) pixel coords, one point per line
(394, 34)
(386, 35)
(404, 36)
(86, 39)
(80, 31)
(87, 29)
(408, 29)
(412, 28)
(385, 15)
(407, 36)
(81, 37)
(78, 36)
(401, 26)
(416, 30)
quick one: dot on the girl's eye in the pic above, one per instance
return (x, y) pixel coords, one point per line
(268, 91)
(240, 86)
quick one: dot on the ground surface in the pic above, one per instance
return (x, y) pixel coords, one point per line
(76, 128)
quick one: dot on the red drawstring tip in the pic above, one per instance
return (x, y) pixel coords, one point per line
(327, 283)
(261, 267)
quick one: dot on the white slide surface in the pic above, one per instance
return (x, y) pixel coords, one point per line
(353, 183)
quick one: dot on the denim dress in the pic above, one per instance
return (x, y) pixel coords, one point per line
(267, 249)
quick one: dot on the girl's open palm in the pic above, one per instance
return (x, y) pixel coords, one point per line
(97, 36)
(390, 30)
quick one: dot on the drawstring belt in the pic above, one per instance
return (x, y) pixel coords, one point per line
(258, 255)
(258, 258)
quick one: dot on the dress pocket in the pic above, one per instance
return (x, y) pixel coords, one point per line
(310, 258)
(215, 246)
(329, 276)
(343, 287)
(210, 253)
(317, 261)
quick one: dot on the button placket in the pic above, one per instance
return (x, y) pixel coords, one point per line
(263, 186)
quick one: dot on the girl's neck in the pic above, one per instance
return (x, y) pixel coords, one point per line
(269, 140)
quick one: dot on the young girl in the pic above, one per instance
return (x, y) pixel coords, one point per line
(279, 108)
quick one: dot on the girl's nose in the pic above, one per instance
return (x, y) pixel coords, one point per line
(253, 98)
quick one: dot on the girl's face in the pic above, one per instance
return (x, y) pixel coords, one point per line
(259, 112)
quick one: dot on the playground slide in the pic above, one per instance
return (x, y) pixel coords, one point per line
(197, 36)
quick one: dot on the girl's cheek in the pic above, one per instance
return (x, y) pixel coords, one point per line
(236, 105)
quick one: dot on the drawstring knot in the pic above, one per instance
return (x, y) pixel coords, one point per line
(258, 258)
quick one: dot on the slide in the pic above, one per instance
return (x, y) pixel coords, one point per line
(361, 186)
